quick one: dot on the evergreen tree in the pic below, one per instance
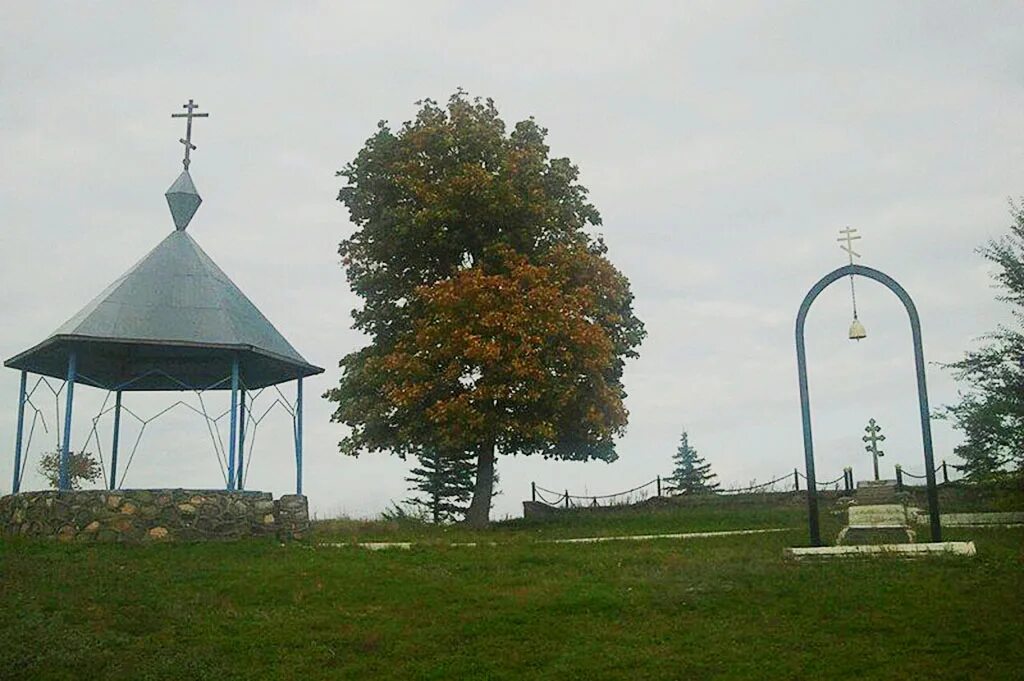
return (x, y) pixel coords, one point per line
(445, 483)
(991, 410)
(691, 475)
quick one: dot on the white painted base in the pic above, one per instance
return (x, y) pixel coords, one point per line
(957, 548)
(377, 546)
(648, 537)
(1010, 519)
(878, 515)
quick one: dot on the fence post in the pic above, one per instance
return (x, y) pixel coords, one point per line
(796, 480)
(533, 491)
(659, 480)
(899, 478)
(846, 479)
(945, 472)
(567, 498)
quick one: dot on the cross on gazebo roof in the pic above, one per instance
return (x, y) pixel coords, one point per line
(187, 140)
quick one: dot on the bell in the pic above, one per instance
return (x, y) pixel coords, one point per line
(857, 330)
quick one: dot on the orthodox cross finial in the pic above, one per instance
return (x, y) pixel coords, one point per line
(873, 437)
(187, 141)
(849, 235)
(182, 197)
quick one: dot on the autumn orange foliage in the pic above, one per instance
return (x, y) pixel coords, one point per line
(495, 321)
(510, 356)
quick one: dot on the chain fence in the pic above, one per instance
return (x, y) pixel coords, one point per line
(663, 487)
(941, 474)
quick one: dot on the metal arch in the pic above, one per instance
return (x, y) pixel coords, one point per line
(922, 392)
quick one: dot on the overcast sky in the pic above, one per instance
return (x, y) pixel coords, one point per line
(724, 143)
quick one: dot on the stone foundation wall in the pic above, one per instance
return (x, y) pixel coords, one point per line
(140, 515)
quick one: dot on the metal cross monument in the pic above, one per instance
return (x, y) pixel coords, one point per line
(187, 141)
(856, 333)
(873, 437)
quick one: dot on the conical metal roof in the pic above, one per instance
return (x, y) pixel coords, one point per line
(172, 321)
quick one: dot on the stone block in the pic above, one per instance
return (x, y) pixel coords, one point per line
(977, 519)
(535, 509)
(878, 515)
(158, 533)
(292, 514)
(877, 524)
(861, 536)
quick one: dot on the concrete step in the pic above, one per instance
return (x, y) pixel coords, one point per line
(877, 524)
(876, 492)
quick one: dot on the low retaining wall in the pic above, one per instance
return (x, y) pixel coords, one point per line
(139, 515)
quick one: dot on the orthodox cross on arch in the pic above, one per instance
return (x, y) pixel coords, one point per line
(187, 140)
(849, 235)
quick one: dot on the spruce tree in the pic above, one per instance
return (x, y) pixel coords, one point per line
(445, 483)
(691, 475)
(991, 410)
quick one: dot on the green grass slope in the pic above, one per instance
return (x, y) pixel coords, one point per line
(710, 608)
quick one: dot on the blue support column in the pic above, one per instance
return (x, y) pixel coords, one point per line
(117, 438)
(233, 439)
(241, 439)
(298, 437)
(22, 396)
(63, 479)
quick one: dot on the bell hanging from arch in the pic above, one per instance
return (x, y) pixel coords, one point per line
(857, 330)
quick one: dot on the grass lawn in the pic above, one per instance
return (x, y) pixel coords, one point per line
(710, 608)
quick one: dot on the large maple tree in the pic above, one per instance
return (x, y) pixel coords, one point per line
(496, 322)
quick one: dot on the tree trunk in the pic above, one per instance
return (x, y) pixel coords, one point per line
(479, 511)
